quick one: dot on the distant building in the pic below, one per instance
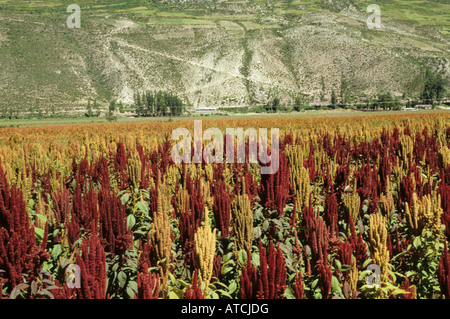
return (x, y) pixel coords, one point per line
(424, 106)
(205, 110)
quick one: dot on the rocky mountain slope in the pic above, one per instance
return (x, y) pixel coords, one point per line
(227, 53)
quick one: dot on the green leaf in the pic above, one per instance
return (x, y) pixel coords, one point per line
(131, 221)
(136, 244)
(142, 207)
(213, 295)
(47, 293)
(122, 277)
(172, 295)
(224, 293)
(133, 285)
(314, 283)
(255, 259)
(39, 232)
(364, 208)
(345, 268)
(367, 287)
(364, 274)
(162, 261)
(232, 287)
(289, 293)
(400, 254)
(65, 262)
(258, 215)
(338, 264)
(220, 284)
(367, 263)
(399, 291)
(183, 283)
(172, 279)
(115, 267)
(292, 277)
(242, 256)
(56, 251)
(278, 223)
(124, 199)
(42, 218)
(226, 270)
(417, 242)
(284, 248)
(130, 292)
(77, 242)
(265, 225)
(257, 232)
(33, 288)
(335, 285)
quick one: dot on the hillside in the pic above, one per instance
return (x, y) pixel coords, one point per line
(215, 53)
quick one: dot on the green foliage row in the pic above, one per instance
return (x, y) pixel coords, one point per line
(158, 103)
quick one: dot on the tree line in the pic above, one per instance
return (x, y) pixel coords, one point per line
(433, 91)
(157, 103)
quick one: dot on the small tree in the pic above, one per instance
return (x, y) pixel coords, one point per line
(275, 103)
(121, 107)
(175, 105)
(90, 113)
(333, 99)
(164, 101)
(297, 104)
(139, 105)
(112, 107)
(96, 108)
(374, 105)
(397, 105)
(344, 92)
(150, 102)
(385, 101)
(434, 87)
(368, 102)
